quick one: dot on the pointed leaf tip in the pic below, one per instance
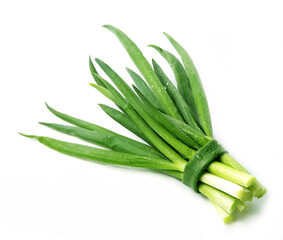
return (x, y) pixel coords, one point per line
(50, 108)
(168, 37)
(128, 69)
(46, 104)
(22, 134)
(102, 106)
(43, 123)
(154, 46)
(166, 34)
(29, 136)
(98, 60)
(109, 27)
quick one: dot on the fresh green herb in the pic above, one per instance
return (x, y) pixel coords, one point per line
(135, 102)
(182, 79)
(144, 89)
(147, 71)
(174, 123)
(124, 120)
(103, 90)
(196, 87)
(105, 156)
(94, 73)
(106, 140)
(176, 96)
(159, 117)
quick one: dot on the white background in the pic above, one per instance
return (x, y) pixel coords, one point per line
(237, 47)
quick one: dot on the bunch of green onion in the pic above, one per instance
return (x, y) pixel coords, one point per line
(174, 122)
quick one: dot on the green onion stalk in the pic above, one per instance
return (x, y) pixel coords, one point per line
(173, 121)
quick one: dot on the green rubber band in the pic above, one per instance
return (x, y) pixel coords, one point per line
(199, 162)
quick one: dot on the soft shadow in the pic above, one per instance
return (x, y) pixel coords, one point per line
(254, 208)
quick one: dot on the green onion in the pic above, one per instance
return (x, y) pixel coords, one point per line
(146, 70)
(182, 79)
(103, 90)
(242, 206)
(176, 97)
(257, 188)
(147, 130)
(173, 129)
(94, 127)
(231, 174)
(201, 139)
(124, 120)
(226, 186)
(196, 86)
(94, 73)
(144, 88)
(138, 106)
(107, 140)
(227, 202)
(173, 121)
(225, 216)
(104, 156)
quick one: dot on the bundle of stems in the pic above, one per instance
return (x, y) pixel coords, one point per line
(174, 123)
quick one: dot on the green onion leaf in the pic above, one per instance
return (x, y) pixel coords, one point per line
(177, 98)
(172, 128)
(139, 107)
(94, 72)
(104, 91)
(91, 126)
(104, 156)
(197, 136)
(196, 86)
(147, 130)
(182, 79)
(107, 140)
(144, 88)
(147, 72)
(124, 120)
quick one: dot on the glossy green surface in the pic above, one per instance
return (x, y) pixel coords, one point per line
(196, 87)
(172, 128)
(104, 156)
(154, 138)
(199, 162)
(144, 88)
(124, 120)
(147, 71)
(136, 103)
(107, 140)
(181, 77)
(177, 98)
(90, 126)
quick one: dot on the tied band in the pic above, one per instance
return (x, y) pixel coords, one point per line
(200, 161)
